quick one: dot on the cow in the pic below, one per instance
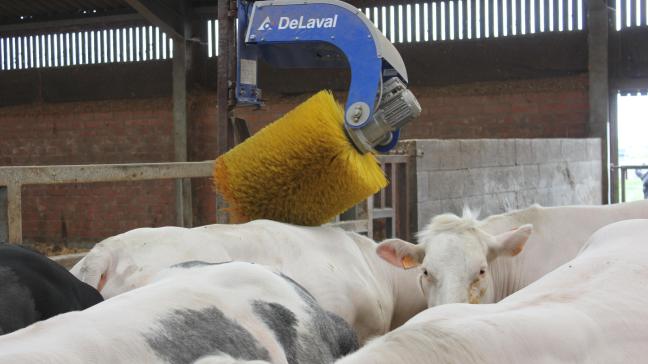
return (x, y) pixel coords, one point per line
(230, 312)
(33, 288)
(463, 260)
(644, 179)
(592, 309)
(340, 269)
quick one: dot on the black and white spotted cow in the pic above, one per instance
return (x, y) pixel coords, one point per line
(231, 312)
(34, 288)
(644, 178)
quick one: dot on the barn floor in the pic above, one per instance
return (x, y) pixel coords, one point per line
(51, 249)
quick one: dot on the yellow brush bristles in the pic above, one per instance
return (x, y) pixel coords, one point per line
(301, 169)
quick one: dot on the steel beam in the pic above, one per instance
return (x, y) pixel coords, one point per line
(226, 53)
(599, 95)
(171, 19)
(57, 24)
(181, 58)
(201, 12)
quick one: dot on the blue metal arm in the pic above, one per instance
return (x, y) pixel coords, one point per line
(312, 27)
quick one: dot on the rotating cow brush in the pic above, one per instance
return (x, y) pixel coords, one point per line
(318, 160)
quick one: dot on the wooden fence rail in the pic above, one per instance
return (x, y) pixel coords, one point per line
(391, 204)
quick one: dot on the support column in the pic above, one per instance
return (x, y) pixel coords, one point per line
(599, 95)
(226, 54)
(4, 215)
(181, 57)
(614, 148)
(14, 214)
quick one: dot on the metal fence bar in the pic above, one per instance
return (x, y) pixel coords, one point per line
(391, 203)
(622, 173)
(26, 175)
(16, 177)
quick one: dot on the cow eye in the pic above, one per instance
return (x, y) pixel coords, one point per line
(482, 272)
(425, 272)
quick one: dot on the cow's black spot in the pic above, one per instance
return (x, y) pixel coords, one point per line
(196, 263)
(283, 323)
(186, 335)
(328, 336)
(39, 284)
(17, 308)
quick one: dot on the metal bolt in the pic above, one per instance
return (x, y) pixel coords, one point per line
(357, 113)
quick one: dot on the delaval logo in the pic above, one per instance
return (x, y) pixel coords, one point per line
(300, 23)
(266, 25)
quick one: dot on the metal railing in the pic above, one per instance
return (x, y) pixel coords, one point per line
(621, 173)
(386, 214)
(14, 178)
(390, 204)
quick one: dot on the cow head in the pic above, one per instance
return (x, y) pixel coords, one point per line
(644, 178)
(453, 257)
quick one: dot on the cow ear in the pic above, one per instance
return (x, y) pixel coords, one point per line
(400, 253)
(511, 242)
(92, 269)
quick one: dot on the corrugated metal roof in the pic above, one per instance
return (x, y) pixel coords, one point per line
(15, 12)
(36, 11)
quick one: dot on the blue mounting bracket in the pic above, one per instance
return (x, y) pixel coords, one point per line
(295, 33)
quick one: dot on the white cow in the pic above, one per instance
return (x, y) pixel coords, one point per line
(457, 256)
(340, 269)
(233, 312)
(593, 309)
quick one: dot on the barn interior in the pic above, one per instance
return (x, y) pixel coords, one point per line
(112, 111)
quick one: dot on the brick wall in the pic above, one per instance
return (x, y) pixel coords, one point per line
(546, 108)
(543, 108)
(115, 131)
(141, 130)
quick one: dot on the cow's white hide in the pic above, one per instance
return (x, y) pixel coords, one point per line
(340, 269)
(592, 309)
(465, 260)
(240, 309)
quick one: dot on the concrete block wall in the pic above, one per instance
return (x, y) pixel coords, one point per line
(496, 175)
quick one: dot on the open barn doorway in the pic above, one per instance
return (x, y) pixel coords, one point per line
(632, 121)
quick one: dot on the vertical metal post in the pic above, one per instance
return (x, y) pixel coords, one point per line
(184, 210)
(598, 28)
(624, 176)
(370, 216)
(226, 51)
(614, 147)
(395, 199)
(14, 212)
(4, 215)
